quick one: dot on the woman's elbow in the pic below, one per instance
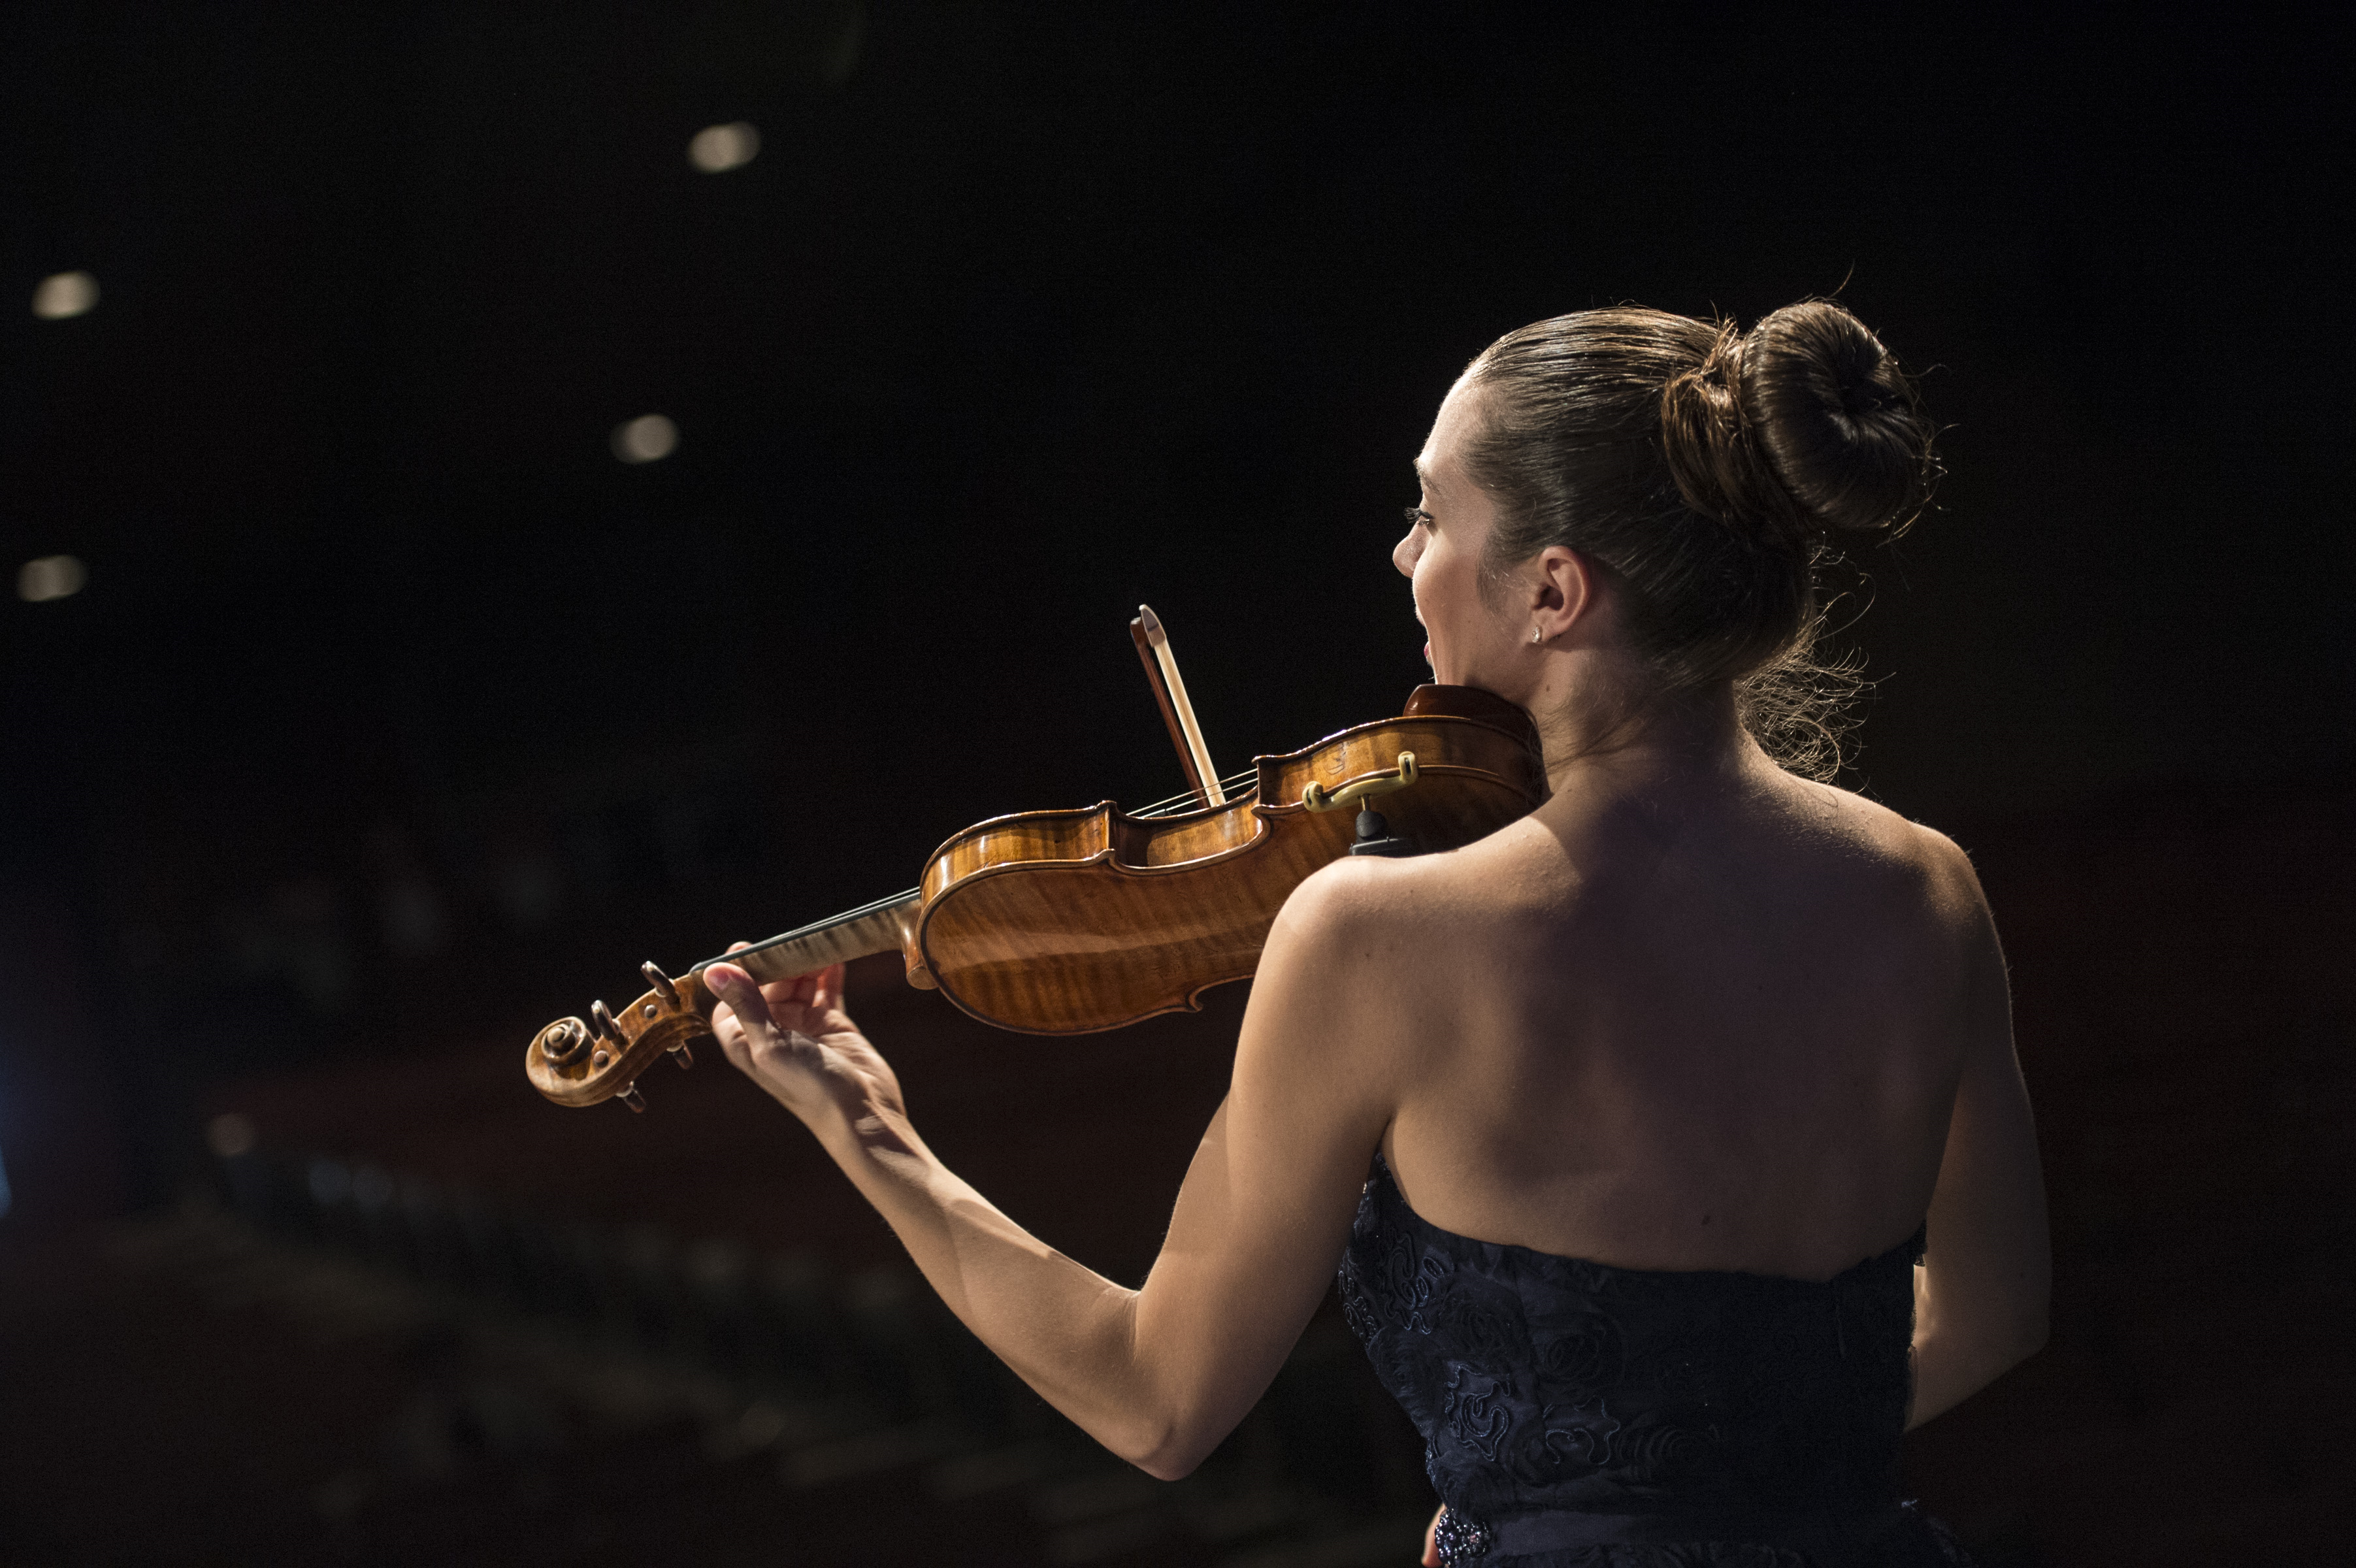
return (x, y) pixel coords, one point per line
(1166, 1450)
(1173, 1467)
(1171, 1455)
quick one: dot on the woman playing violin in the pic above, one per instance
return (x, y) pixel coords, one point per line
(1670, 1142)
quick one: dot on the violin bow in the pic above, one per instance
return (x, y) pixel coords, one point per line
(1177, 712)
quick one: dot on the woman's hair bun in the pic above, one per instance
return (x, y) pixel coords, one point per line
(1805, 425)
(1838, 419)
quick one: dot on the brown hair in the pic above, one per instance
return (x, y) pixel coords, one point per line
(1709, 472)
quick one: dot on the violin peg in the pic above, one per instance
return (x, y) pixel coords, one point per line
(629, 1097)
(601, 1019)
(682, 1055)
(663, 984)
(601, 1060)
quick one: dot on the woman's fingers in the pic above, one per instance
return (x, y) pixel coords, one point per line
(734, 986)
(818, 992)
(766, 1042)
(826, 989)
(752, 1019)
(732, 947)
(748, 1022)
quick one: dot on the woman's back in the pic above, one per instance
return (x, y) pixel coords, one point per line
(1670, 1024)
(1672, 1064)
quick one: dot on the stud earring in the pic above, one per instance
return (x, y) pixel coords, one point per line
(1536, 635)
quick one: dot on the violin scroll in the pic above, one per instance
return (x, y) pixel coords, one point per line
(578, 1063)
(563, 1042)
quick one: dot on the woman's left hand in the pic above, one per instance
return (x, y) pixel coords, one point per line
(793, 1039)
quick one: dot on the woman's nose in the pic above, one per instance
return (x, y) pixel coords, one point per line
(1404, 553)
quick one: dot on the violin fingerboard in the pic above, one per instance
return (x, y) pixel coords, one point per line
(883, 928)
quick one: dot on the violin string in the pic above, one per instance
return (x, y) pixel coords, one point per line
(1186, 802)
(1175, 804)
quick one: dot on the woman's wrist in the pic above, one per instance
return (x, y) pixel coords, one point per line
(857, 1126)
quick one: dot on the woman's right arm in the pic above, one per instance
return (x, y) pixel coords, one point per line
(1980, 1298)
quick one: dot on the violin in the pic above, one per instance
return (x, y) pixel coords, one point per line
(1067, 922)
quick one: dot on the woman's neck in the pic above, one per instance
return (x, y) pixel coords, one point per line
(1616, 731)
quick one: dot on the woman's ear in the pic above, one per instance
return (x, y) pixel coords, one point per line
(1562, 590)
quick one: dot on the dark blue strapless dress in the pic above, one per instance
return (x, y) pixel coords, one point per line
(1576, 1415)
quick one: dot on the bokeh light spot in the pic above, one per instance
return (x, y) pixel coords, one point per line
(716, 149)
(50, 577)
(62, 294)
(229, 1134)
(646, 439)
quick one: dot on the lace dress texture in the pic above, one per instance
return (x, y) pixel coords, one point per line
(1578, 1416)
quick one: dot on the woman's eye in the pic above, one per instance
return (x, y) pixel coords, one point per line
(1418, 518)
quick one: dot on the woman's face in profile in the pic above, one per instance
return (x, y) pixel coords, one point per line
(1471, 642)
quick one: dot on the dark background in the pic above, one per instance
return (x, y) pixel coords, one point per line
(398, 715)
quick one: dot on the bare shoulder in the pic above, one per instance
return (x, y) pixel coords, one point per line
(1319, 1022)
(1363, 933)
(1918, 862)
(1355, 909)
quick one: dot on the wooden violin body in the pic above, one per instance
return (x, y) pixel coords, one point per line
(1062, 922)
(1066, 922)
